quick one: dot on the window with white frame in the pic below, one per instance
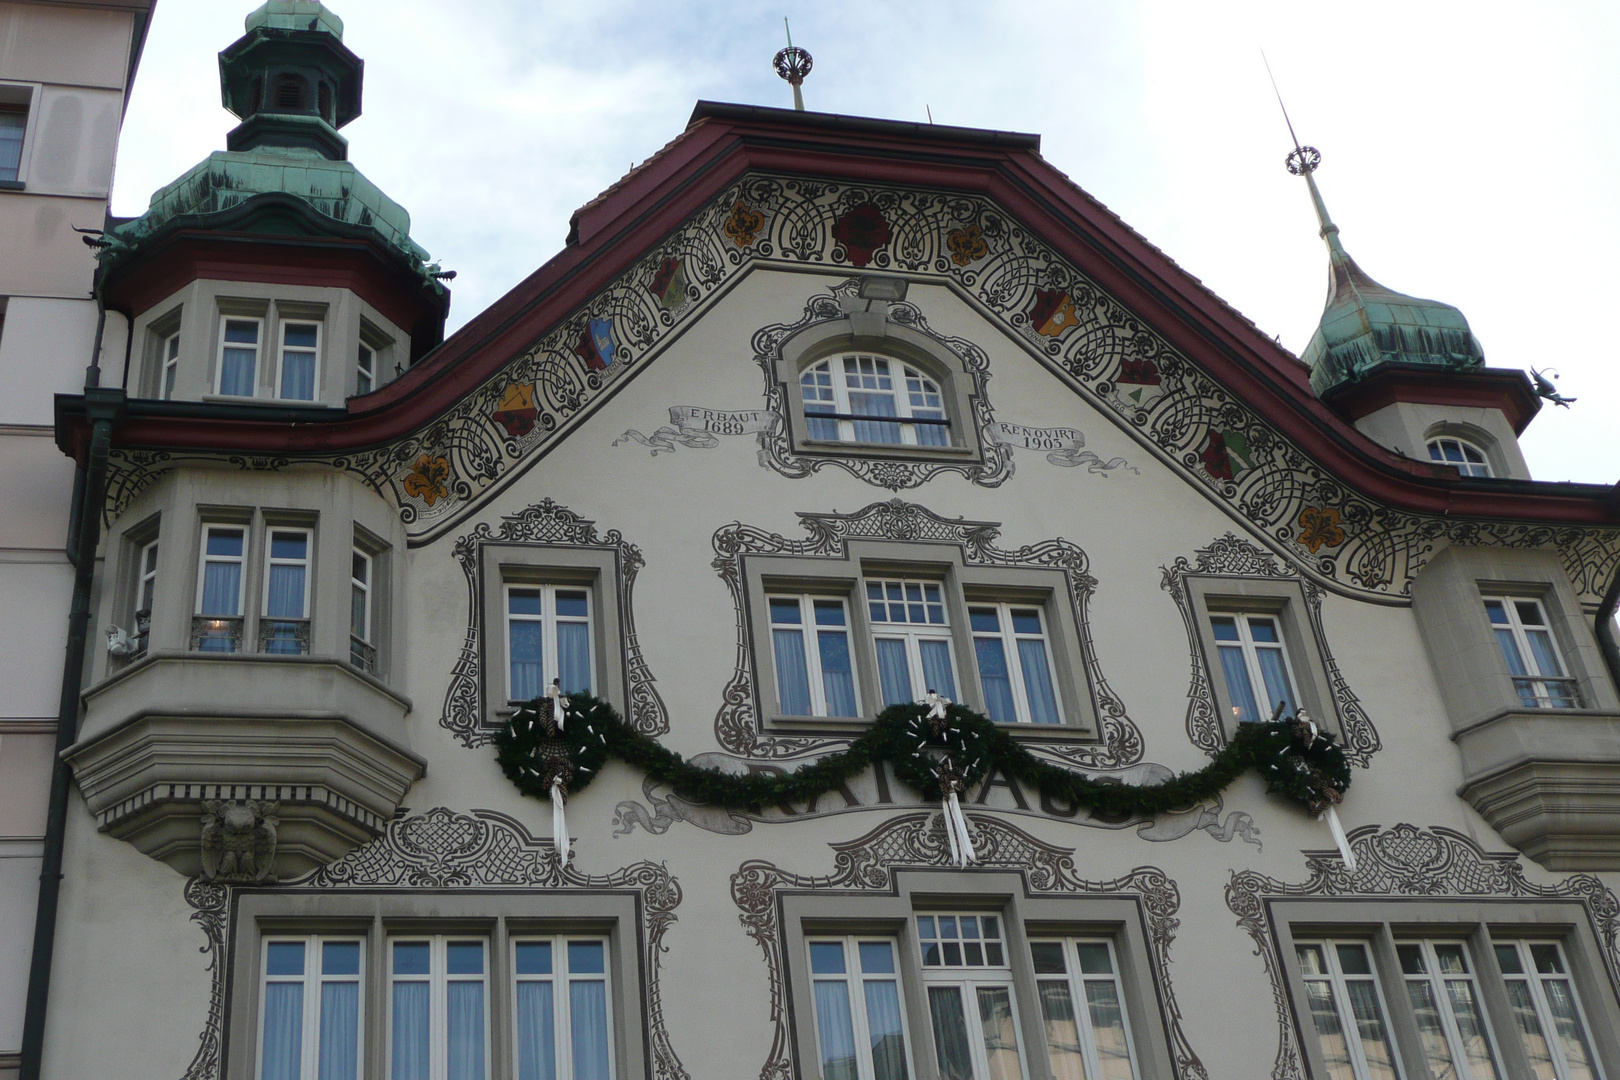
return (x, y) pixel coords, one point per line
(1446, 1005)
(238, 370)
(13, 128)
(971, 1006)
(842, 396)
(297, 378)
(1011, 649)
(1467, 458)
(860, 1025)
(1347, 1009)
(217, 626)
(145, 592)
(1546, 1011)
(284, 630)
(548, 636)
(365, 370)
(1255, 665)
(1525, 637)
(438, 1008)
(811, 648)
(1087, 1032)
(170, 352)
(362, 650)
(311, 1009)
(912, 637)
(562, 1016)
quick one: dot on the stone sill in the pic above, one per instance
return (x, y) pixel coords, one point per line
(153, 656)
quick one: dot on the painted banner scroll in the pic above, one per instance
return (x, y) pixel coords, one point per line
(695, 427)
(1063, 446)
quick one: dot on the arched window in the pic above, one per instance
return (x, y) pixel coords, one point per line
(290, 94)
(842, 395)
(1469, 459)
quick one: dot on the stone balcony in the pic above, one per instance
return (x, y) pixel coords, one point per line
(179, 744)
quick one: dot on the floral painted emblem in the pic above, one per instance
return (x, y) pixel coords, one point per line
(743, 224)
(515, 412)
(862, 231)
(967, 245)
(1053, 313)
(428, 479)
(1319, 527)
(1227, 456)
(669, 284)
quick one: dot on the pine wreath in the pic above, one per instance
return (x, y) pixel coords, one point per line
(1296, 760)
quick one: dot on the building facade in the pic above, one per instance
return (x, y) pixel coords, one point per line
(814, 418)
(65, 72)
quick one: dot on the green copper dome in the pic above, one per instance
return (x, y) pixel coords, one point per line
(1365, 326)
(294, 15)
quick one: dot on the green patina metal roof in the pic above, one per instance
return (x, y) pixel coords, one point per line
(294, 15)
(1365, 325)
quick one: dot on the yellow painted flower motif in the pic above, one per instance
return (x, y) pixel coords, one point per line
(427, 479)
(743, 224)
(967, 245)
(1319, 527)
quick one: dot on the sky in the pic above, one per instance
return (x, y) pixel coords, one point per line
(1471, 151)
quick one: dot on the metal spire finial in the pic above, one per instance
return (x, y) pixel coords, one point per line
(1303, 161)
(793, 64)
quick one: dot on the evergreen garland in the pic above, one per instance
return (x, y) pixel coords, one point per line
(1295, 760)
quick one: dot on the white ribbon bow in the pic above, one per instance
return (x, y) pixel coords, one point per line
(559, 824)
(956, 831)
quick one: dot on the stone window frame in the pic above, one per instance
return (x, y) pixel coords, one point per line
(1284, 600)
(270, 313)
(158, 332)
(804, 914)
(842, 576)
(1381, 922)
(17, 94)
(382, 595)
(594, 568)
(496, 916)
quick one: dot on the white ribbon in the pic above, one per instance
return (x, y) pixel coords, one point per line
(956, 831)
(1340, 838)
(559, 825)
(559, 704)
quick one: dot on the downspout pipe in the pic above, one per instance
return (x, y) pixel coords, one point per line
(104, 407)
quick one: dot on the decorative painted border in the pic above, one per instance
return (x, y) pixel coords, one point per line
(545, 524)
(1232, 556)
(1403, 860)
(867, 864)
(442, 849)
(1346, 541)
(736, 725)
(997, 461)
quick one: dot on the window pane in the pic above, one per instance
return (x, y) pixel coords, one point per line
(523, 602)
(299, 335)
(588, 1021)
(995, 679)
(1426, 1011)
(222, 589)
(1524, 1014)
(358, 611)
(464, 1027)
(340, 958)
(464, 958)
(534, 958)
(1529, 612)
(1000, 1036)
(573, 605)
(936, 664)
(242, 332)
(893, 671)
(1225, 628)
(1274, 672)
(1329, 1032)
(1263, 630)
(785, 611)
(298, 376)
(284, 593)
(827, 958)
(410, 958)
(1062, 1031)
(236, 372)
(1476, 1045)
(527, 645)
(536, 1029)
(1510, 651)
(1238, 687)
(574, 656)
(833, 1026)
(1541, 647)
(950, 1033)
(1108, 1028)
(1571, 1032)
(586, 958)
(288, 545)
(792, 673)
(13, 123)
(1037, 682)
(884, 1025)
(283, 1030)
(411, 1030)
(1496, 612)
(1370, 1025)
(1094, 958)
(868, 404)
(225, 542)
(340, 1028)
(284, 958)
(984, 620)
(837, 675)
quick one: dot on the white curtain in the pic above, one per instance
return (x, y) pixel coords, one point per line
(298, 375)
(285, 597)
(936, 665)
(588, 1019)
(950, 1033)
(283, 1030)
(893, 671)
(536, 1032)
(340, 1030)
(526, 640)
(1038, 681)
(994, 677)
(464, 1004)
(884, 1022)
(236, 372)
(792, 677)
(836, 1035)
(574, 656)
(878, 404)
(411, 1031)
(1276, 679)
(222, 588)
(1237, 684)
(837, 678)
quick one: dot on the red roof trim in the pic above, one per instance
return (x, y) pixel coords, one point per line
(1486, 388)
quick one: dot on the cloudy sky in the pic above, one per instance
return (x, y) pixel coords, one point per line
(1471, 151)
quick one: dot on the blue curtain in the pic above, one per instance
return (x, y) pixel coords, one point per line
(574, 656)
(996, 680)
(874, 405)
(1038, 681)
(340, 1030)
(298, 376)
(884, 1022)
(893, 672)
(1510, 652)
(411, 1031)
(464, 1006)
(1275, 674)
(283, 1031)
(1237, 684)
(527, 643)
(236, 372)
(837, 1036)
(285, 593)
(588, 1021)
(222, 588)
(536, 1032)
(936, 665)
(792, 676)
(837, 677)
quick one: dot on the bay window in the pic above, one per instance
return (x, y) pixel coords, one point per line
(298, 377)
(217, 626)
(1525, 638)
(238, 369)
(284, 629)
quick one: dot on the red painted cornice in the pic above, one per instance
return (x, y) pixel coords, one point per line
(1508, 391)
(724, 142)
